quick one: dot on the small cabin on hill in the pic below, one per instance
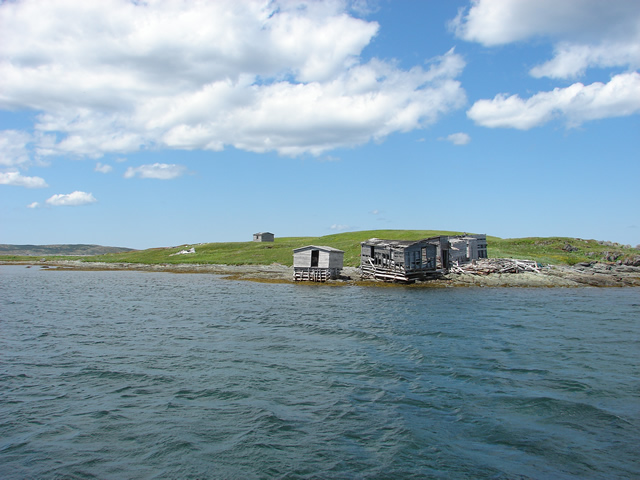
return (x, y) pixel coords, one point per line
(397, 260)
(317, 264)
(263, 237)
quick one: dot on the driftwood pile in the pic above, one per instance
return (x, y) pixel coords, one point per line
(485, 266)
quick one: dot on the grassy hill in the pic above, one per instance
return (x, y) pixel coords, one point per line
(546, 250)
(255, 253)
(560, 250)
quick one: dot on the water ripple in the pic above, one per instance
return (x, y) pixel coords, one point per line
(116, 375)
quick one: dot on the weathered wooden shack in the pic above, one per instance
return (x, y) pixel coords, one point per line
(466, 248)
(263, 237)
(317, 264)
(397, 260)
(442, 251)
(458, 249)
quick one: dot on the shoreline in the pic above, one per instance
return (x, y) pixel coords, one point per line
(581, 275)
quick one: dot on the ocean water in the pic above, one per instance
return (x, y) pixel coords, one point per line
(119, 374)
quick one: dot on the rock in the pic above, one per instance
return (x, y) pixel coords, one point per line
(633, 261)
(184, 252)
(611, 256)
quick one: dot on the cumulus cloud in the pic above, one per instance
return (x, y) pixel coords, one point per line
(286, 76)
(160, 171)
(103, 168)
(13, 147)
(71, 199)
(585, 33)
(16, 178)
(576, 104)
(33, 205)
(572, 60)
(459, 138)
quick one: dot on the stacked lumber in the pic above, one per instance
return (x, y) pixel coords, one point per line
(485, 266)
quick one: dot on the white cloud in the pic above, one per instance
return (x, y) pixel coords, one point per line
(572, 60)
(337, 226)
(103, 168)
(160, 171)
(576, 104)
(498, 22)
(71, 199)
(459, 138)
(375, 212)
(13, 147)
(16, 178)
(586, 33)
(33, 205)
(286, 76)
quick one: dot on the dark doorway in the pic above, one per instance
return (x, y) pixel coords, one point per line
(315, 256)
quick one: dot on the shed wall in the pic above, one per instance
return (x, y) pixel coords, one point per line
(263, 237)
(325, 259)
(336, 260)
(302, 259)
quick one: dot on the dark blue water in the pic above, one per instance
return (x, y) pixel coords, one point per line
(117, 375)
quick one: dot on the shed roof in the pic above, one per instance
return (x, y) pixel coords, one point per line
(378, 242)
(314, 247)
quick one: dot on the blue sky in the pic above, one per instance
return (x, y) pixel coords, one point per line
(159, 123)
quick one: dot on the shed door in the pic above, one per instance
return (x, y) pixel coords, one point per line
(315, 256)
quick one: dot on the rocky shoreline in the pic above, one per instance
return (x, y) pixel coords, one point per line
(593, 274)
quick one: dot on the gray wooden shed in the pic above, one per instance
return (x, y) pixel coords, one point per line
(442, 251)
(458, 249)
(263, 237)
(317, 264)
(466, 248)
(397, 260)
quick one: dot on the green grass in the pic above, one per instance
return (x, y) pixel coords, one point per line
(255, 253)
(558, 250)
(549, 250)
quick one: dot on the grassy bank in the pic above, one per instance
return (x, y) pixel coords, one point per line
(546, 250)
(559, 250)
(254, 253)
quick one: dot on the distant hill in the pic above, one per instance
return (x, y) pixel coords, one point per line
(47, 250)
(545, 250)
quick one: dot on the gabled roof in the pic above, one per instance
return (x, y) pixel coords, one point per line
(314, 247)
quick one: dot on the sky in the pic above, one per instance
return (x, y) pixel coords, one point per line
(154, 123)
